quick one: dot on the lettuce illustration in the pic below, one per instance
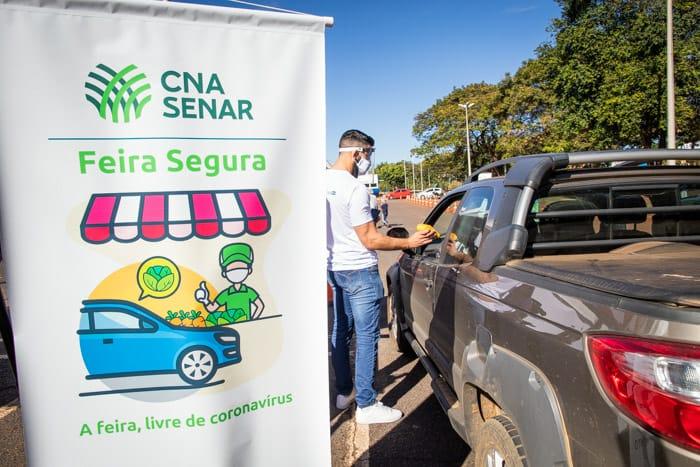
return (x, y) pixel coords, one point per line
(158, 278)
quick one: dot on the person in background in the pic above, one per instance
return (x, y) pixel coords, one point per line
(352, 243)
(384, 208)
(373, 208)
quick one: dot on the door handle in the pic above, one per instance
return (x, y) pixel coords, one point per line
(108, 341)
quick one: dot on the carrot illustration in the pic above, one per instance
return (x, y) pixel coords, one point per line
(185, 318)
(197, 319)
(170, 316)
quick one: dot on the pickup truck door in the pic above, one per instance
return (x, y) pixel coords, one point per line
(457, 309)
(423, 267)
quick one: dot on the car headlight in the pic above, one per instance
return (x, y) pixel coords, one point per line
(226, 337)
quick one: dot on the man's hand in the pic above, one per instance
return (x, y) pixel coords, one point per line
(420, 238)
(202, 294)
(373, 240)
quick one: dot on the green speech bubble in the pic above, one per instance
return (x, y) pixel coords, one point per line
(158, 277)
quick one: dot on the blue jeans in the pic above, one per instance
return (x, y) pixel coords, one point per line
(357, 298)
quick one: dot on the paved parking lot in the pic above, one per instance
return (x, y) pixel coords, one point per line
(423, 437)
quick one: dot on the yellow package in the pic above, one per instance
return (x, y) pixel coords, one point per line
(428, 227)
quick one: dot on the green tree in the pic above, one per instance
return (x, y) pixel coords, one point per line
(607, 71)
(391, 175)
(441, 131)
(526, 112)
(599, 84)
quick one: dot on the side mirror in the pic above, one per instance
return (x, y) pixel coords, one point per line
(397, 232)
(400, 232)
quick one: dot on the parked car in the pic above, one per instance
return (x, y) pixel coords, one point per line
(121, 338)
(558, 313)
(400, 193)
(430, 193)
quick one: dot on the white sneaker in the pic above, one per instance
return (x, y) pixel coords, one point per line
(377, 413)
(343, 402)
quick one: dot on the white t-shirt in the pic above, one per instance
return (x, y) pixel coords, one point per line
(347, 206)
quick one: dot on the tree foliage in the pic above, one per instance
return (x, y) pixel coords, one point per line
(600, 83)
(391, 175)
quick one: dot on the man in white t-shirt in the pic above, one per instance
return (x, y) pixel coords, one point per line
(352, 240)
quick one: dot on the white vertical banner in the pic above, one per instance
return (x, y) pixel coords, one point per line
(162, 203)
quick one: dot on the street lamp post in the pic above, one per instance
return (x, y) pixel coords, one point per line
(466, 107)
(405, 180)
(413, 171)
(670, 82)
(421, 175)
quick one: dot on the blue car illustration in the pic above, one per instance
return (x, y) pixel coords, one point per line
(120, 338)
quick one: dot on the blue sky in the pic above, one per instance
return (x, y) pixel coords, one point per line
(389, 60)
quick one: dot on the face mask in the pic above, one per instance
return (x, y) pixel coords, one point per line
(363, 166)
(236, 275)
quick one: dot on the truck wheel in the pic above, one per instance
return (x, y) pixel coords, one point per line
(499, 444)
(400, 342)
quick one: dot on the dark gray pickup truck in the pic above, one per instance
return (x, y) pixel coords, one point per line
(559, 311)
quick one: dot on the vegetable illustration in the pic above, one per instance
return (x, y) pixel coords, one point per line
(194, 318)
(197, 319)
(185, 318)
(213, 318)
(170, 316)
(158, 278)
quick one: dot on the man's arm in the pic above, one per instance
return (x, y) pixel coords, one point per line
(259, 307)
(372, 239)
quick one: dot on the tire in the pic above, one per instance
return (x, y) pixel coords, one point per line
(499, 444)
(196, 365)
(398, 339)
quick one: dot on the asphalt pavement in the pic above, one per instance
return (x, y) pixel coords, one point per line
(11, 437)
(423, 437)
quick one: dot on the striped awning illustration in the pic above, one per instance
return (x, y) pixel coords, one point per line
(180, 215)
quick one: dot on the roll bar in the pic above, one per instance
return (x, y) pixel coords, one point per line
(595, 157)
(526, 176)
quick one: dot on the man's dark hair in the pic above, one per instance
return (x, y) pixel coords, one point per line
(354, 138)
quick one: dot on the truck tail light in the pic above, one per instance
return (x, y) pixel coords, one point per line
(655, 383)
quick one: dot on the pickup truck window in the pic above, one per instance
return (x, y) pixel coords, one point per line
(566, 229)
(465, 237)
(650, 211)
(442, 225)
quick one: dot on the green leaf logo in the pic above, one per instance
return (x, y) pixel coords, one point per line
(118, 96)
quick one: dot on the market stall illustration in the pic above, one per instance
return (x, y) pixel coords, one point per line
(178, 215)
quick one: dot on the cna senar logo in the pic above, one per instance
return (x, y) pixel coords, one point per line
(119, 96)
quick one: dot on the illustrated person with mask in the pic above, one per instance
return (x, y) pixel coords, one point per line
(240, 301)
(352, 240)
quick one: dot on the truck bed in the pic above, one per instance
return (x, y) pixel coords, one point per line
(656, 271)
